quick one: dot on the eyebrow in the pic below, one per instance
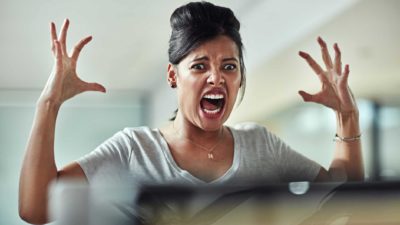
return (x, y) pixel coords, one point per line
(230, 59)
(200, 59)
(206, 58)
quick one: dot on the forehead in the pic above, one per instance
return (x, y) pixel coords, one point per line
(219, 47)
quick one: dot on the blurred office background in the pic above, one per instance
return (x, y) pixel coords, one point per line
(128, 55)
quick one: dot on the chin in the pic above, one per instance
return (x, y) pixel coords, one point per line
(212, 123)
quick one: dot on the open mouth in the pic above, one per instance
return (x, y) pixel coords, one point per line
(212, 103)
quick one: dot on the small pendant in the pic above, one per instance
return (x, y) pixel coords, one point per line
(210, 156)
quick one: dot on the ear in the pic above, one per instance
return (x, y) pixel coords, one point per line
(172, 74)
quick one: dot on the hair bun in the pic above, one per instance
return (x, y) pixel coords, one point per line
(203, 14)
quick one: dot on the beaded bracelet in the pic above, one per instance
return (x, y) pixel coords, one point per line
(346, 139)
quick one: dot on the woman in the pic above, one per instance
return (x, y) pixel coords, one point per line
(206, 67)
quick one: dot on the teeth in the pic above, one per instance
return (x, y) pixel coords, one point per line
(214, 96)
(215, 111)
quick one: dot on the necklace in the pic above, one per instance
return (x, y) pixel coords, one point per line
(210, 150)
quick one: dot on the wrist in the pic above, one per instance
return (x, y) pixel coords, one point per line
(348, 124)
(348, 114)
(347, 139)
(48, 104)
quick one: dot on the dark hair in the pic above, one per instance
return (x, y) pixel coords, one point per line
(197, 22)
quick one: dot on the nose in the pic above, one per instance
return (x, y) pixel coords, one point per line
(215, 78)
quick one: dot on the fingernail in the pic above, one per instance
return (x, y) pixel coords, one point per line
(321, 41)
(303, 54)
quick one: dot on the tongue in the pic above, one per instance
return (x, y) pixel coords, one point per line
(208, 105)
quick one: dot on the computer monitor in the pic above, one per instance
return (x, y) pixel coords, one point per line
(300, 203)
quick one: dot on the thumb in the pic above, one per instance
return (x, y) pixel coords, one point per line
(306, 96)
(93, 87)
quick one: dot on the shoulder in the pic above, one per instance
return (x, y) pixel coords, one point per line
(142, 131)
(142, 137)
(128, 141)
(131, 136)
(249, 129)
(250, 132)
(246, 126)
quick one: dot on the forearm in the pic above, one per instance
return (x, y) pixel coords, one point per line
(348, 154)
(38, 168)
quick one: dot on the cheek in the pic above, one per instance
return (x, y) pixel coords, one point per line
(236, 81)
(188, 91)
(234, 89)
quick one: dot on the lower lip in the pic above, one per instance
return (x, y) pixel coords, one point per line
(217, 115)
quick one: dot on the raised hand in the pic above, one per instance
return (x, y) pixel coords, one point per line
(335, 92)
(64, 82)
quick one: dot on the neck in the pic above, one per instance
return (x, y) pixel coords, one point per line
(186, 129)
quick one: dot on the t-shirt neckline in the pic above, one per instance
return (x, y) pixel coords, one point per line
(187, 175)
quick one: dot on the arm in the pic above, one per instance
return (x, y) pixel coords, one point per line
(348, 155)
(39, 167)
(336, 94)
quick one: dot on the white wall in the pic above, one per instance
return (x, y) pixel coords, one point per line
(162, 103)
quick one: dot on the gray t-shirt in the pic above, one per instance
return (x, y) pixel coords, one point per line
(141, 155)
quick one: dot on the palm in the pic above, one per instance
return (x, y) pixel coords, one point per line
(70, 82)
(335, 92)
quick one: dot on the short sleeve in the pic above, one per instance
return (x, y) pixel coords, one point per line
(291, 165)
(108, 163)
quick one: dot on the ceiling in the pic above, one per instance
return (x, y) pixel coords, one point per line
(130, 40)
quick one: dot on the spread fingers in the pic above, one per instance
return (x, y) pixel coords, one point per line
(325, 54)
(78, 48)
(63, 36)
(314, 65)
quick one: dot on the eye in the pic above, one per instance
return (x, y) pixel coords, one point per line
(229, 67)
(199, 66)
